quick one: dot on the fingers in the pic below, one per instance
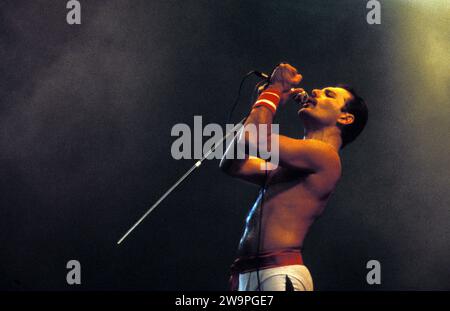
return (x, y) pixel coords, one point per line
(293, 92)
(297, 79)
(290, 73)
(289, 67)
(296, 90)
(286, 76)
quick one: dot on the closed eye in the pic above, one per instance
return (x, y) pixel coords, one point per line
(329, 93)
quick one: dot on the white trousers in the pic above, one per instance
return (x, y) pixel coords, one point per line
(296, 277)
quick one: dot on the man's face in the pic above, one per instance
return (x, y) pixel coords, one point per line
(325, 106)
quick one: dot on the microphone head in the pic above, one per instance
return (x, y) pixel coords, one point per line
(261, 74)
(302, 97)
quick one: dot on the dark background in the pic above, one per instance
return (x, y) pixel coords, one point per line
(86, 114)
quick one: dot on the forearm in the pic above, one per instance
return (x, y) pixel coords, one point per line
(238, 150)
(259, 115)
(229, 161)
(258, 126)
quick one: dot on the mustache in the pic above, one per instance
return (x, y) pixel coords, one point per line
(311, 100)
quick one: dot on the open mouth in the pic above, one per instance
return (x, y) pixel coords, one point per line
(308, 104)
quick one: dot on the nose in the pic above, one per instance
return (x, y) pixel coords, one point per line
(315, 92)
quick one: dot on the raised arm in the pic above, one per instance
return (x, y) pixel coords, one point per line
(297, 154)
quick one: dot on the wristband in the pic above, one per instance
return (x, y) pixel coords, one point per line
(270, 99)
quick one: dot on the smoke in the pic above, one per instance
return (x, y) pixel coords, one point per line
(420, 75)
(77, 110)
(73, 119)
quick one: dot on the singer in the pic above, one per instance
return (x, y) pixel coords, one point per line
(295, 192)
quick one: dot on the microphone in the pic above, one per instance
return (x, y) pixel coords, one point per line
(301, 97)
(261, 74)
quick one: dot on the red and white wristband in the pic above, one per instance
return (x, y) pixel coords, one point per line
(270, 99)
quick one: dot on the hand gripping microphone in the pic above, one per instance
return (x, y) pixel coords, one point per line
(301, 97)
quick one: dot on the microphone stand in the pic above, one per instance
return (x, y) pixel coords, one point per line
(181, 179)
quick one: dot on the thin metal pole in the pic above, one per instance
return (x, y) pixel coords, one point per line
(180, 180)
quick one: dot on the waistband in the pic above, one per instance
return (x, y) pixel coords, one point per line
(265, 260)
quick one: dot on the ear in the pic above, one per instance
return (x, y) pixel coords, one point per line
(346, 118)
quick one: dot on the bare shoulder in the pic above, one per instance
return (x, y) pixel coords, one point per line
(328, 159)
(326, 155)
(308, 155)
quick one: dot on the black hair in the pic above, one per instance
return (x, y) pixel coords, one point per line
(358, 108)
